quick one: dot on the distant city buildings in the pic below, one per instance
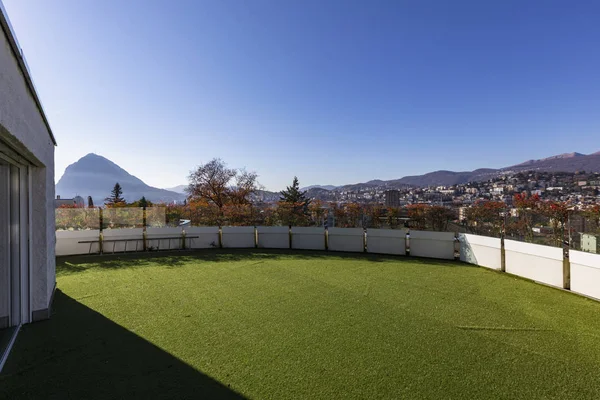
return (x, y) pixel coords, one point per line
(392, 198)
(590, 243)
(555, 186)
(462, 213)
(76, 201)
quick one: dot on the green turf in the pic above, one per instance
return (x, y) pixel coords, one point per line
(277, 325)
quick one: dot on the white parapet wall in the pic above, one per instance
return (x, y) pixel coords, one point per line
(273, 237)
(68, 242)
(128, 240)
(585, 273)
(539, 263)
(156, 238)
(432, 244)
(480, 250)
(533, 261)
(202, 237)
(238, 237)
(308, 238)
(386, 241)
(346, 239)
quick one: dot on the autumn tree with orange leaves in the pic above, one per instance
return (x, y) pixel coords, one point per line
(347, 215)
(486, 217)
(558, 214)
(592, 214)
(526, 207)
(439, 216)
(373, 214)
(424, 216)
(317, 212)
(418, 216)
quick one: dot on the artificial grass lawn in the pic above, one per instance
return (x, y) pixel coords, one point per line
(276, 325)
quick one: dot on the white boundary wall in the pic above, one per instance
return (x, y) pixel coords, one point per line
(386, 241)
(534, 261)
(273, 237)
(585, 273)
(238, 237)
(134, 236)
(208, 237)
(480, 250)
(308, 238)
(67, 242)
(432, 244)
(346, 239)
(540, 263)
(173, 243)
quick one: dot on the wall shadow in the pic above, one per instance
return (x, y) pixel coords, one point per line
(75, 264)
(80, 354)
(467, 251)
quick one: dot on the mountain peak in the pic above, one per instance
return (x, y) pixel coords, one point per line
(91, 155)
(564, 155)
(95, 175)
(96, 163)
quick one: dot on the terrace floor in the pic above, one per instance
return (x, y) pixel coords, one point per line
(276, 324)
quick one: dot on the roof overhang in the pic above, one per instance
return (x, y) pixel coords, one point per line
(14, 44)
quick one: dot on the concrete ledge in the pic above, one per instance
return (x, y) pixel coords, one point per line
(40, 315)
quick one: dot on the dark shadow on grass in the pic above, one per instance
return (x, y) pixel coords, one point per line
(80, 354)
(74, 264)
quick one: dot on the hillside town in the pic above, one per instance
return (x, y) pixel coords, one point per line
(579, 189)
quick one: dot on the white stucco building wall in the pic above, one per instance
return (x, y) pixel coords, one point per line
(25, 136)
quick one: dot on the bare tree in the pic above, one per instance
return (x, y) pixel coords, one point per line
(245, 185)
(213, 182)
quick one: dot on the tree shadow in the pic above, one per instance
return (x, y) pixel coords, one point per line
(75, 264)
(81, 354)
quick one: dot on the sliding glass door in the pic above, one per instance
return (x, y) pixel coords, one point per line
(14, 244)
(14, 251)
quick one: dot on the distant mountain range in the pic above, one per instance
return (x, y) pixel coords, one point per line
(567, 162)
(95, 176)
(178, 189)
(326, 187)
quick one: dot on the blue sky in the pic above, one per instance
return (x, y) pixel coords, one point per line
(332, 91)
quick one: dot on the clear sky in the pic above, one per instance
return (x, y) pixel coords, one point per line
(332, 91)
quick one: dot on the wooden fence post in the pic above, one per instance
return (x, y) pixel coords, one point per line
(566, 245)
(100, 236)
(144, 234)
(502, 255)
(502, 250)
